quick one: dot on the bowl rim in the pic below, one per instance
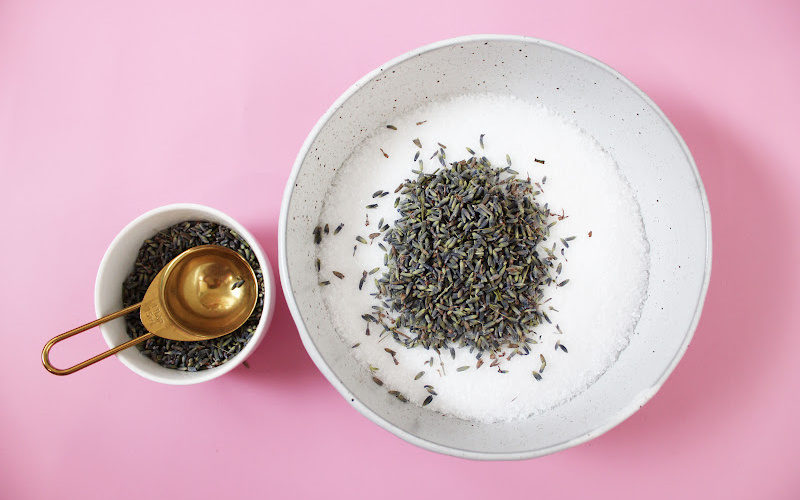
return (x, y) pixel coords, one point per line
(266, 313)
(634, 405)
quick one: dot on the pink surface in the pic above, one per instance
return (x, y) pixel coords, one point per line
(108, 109)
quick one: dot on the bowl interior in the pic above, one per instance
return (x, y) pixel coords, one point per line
(118, 263)
(625, 122)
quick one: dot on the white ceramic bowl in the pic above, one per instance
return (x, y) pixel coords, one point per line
(118, 262)
(626, 123)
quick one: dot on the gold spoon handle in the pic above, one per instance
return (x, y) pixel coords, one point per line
(49, 345)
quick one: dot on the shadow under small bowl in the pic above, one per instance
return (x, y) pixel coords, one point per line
(626, 123)
(118, 262)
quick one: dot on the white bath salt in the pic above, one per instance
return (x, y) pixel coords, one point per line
(606, 264)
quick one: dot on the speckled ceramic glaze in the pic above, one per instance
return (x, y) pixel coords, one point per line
(626, 123)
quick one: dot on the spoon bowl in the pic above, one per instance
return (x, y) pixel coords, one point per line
(204, 293)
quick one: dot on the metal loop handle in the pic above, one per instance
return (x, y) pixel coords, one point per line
(49, 345)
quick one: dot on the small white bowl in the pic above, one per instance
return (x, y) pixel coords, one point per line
(118, 262)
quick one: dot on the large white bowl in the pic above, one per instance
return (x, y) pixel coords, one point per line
(118, 262)
(626, 123)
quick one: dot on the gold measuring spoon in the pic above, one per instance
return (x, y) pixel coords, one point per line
(203, 293)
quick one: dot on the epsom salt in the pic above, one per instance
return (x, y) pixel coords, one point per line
(593, 316)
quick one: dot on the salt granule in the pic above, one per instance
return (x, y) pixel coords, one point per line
(597, 310)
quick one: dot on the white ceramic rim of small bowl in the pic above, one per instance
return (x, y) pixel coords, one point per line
(266, 314)
(619, 417)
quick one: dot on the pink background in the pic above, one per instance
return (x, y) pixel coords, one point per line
(109, 109)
